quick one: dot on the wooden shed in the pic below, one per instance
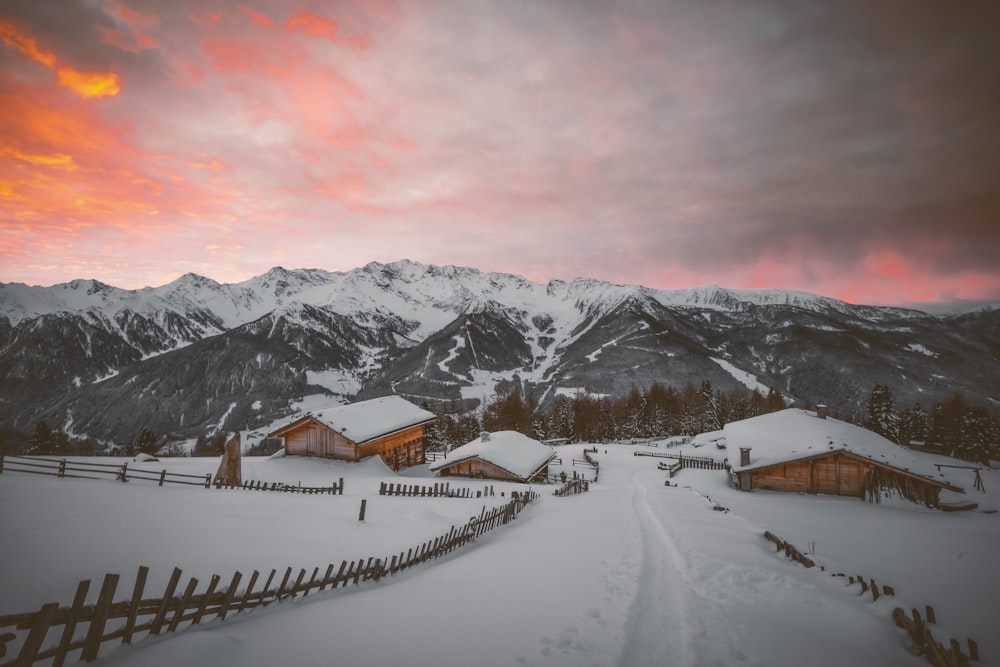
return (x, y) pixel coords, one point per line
(391, 427)
(505, 455)
(800, 452)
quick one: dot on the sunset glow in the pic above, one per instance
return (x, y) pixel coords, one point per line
(670, 145)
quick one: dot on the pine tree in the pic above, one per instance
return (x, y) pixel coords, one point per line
(42, 441)
(913, 423)
(147, 443)
(881, 414)
(980, 437)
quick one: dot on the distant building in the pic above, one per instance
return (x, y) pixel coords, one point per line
(391, 427)
(804, 452)
(504, 455)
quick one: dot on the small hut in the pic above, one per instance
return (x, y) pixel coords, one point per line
(390, 426)
(505, 455)
(805, 452)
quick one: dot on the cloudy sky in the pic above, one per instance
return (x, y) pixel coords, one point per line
(847, 148)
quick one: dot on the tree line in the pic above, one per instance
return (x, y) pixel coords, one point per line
(655, 412)
(953, 427)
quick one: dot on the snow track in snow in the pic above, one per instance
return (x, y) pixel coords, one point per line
(657, 631)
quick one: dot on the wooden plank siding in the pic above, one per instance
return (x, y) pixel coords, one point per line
(840, 473)
(476, 467)
(309, 437)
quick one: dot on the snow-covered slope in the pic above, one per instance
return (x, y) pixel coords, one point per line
(448, 333)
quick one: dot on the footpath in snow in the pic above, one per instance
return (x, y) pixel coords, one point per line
(631, 573)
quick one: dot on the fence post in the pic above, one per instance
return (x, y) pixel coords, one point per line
(95, 633)
(208, 481)
(124, 472)
(133, 610)
(43, 619)
(67, 637)
(361, 515)
(163, 476)
(62, 468)
(168, 594)
(1, 461)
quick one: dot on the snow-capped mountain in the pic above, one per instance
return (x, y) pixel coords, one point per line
(196, 354)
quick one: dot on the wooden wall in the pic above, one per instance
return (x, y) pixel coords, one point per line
(475, 467)
(399, 450)
(837, 474)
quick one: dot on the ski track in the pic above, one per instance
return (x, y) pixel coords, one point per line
(658, 630)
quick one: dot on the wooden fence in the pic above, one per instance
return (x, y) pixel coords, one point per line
(336, 489)
(439, 490)
(87, 470)
(700, 462)
(86, 627)
(573, 487)
(935, 652)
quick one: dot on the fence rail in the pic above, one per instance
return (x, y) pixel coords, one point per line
(86, 470)
(702, 462)
(439, 490)
(573, 487)
(86, 627)
(933, 651)
(336, 489)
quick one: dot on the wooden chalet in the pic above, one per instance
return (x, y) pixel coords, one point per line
(804, 452)
(390, 427)
(505, 455)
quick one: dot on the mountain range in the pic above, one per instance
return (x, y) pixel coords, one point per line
(196, 356)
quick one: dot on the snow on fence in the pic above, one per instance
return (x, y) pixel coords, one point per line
(87, 470)
(573, 487)
(934, 651)
(85, 627)
(700, 462)
(336, 489)
(437, 491)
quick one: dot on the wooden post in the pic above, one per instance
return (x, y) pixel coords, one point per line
(74, 614)
(188, 592)
(204, 600)
(1, 461)
(298, 582)
(361, 515)
(133, 610)
(874, 591)
(312, 581)
(230, 594)
(281, 588)
(62, 468)
(973, 649)
(40, 628)
(163, 476)
(326, 577)
(124, 472)
(95, 633)
(931, 616)
(168, 594)
(248, 592)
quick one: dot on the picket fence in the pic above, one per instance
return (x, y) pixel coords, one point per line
(439, 490)
(335, 489)
(573, 487)
(936, 653)
(86, 627)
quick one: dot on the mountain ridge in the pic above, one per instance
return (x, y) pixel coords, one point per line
(75, 352)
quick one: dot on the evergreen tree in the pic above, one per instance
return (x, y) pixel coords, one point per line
(913, 425)
(42, 441)
(980, 437)
(881, 413)
(147, 443)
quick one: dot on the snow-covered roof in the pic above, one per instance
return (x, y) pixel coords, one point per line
(366, 420)
(793, 434)
(514, 452)
(709, 438)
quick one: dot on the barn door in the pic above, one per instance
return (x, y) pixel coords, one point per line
(826, 477)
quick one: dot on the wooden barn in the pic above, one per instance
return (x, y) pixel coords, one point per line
(505, 455)
(804, 452)
(391, 427)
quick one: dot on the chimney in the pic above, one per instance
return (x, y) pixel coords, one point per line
(484, 436)
(744, 456)
(821, 411)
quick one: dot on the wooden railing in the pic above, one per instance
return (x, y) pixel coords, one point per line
(86, 470)
(336, 489)
(54, 632)
(439, 490)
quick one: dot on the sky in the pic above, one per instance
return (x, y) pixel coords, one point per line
(849, 149)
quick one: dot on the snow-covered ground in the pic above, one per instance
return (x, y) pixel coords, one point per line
(631, 573)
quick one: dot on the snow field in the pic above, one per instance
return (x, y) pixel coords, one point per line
(630, 573)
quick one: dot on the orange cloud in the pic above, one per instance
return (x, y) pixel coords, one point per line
(89, 84)
(312, 25)
(255, 16)
(84, 84)
(26, 44)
